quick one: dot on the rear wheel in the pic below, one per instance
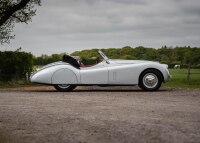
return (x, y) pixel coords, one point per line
(150, 80)
(64, 87)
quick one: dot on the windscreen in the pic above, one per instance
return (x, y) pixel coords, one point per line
(104, 56)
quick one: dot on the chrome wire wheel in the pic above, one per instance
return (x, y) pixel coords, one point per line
(63, 86)
(150, 80)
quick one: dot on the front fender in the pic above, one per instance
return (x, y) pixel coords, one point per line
(162, 68)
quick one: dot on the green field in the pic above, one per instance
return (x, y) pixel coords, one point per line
(179, 79)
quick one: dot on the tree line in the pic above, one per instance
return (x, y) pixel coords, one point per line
(16, 64)
(183, 56)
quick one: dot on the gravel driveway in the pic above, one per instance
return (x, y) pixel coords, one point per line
(95, 114)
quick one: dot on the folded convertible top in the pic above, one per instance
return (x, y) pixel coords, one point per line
(71, 61)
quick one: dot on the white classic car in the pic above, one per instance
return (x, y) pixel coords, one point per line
(67, 74)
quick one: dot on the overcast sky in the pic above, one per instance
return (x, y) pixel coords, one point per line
(72, 25)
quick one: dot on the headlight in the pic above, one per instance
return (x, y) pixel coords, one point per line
(165, 65)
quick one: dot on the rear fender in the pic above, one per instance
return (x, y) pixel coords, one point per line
(64, 76)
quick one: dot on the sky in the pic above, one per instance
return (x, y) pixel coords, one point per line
(65, 26)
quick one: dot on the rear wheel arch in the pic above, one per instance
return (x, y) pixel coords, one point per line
(64, 76)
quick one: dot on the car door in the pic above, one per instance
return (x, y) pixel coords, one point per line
(97, 74)
(121, 74)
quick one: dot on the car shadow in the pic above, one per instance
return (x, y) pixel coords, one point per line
(99, 90)
(84, 89)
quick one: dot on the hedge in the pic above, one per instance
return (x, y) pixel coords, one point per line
(15, 65)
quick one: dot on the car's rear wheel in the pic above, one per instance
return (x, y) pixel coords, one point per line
(64, 87)
(150, 80)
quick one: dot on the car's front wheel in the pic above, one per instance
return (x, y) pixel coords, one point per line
(64, 87)
(150, 80)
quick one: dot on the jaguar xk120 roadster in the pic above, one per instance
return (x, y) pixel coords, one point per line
(67, 74)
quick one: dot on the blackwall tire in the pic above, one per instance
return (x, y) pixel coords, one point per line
(150, 80)
(63, 87)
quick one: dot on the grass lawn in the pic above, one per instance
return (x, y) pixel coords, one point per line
(14, 83)
(179, 78)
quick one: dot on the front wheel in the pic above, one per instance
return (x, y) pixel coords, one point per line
(150, 80)
(64, 87)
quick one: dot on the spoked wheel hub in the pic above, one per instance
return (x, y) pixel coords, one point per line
(150, 80)
(64, 87)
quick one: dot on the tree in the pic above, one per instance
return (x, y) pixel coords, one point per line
(150, 54)
(192, 56)
(139, 52)
(179, 53)
(14, 11)
(126, 51)
(165, 54)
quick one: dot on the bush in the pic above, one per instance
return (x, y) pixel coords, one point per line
(15, 65)
(45, 59)
(196, 66)
(90, 61)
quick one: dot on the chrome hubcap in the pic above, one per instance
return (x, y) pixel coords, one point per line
(150, 80)
(63, 86)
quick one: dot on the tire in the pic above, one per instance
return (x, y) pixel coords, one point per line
(64, 87)
(150, 80)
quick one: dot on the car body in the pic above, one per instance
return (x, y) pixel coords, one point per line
(64, 76)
